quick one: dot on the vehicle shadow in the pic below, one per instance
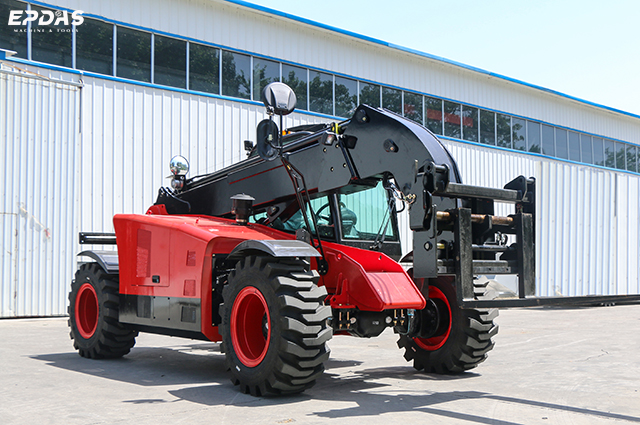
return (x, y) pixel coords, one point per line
(199, 363)
(151, 366)
(201, 369)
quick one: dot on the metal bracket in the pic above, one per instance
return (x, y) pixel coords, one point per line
(89, 238)
(464, 254)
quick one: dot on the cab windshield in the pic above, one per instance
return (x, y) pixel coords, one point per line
(363, 215)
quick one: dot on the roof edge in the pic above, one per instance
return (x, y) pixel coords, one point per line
(425, 55)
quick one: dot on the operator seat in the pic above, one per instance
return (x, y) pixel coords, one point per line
(349, 220)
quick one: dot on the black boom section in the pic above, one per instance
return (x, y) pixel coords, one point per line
(373, 143)
(387, 142)
(267, 181)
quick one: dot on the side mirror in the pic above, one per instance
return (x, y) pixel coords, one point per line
(179, 166)
(279, 98)
(267, 135)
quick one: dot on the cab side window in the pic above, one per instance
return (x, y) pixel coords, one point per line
(365, 214)
(322, 210)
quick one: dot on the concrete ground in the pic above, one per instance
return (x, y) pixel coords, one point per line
(550, 366)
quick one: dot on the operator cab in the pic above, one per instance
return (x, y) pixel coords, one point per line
(361, 214)
(365, 213)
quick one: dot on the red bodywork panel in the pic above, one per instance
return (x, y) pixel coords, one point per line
(368, 280)
(170, 256)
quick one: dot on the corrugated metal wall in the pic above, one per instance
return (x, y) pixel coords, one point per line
(72, 159)
(588, 233)
(587, 221)
(39, 125)
(131, 132)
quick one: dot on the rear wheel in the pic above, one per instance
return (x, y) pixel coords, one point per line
(274, 326)
(464, 336)
(93, 315)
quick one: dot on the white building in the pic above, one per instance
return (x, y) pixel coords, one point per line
(91, 114)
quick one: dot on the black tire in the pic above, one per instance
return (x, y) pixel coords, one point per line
(274, 326)
(93, 315)
(467, 342)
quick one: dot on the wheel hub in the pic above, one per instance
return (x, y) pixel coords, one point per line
(440, 323)
(250, 330)
(86, 311)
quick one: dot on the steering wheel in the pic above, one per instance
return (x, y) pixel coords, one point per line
(327, 217)
(324, 217)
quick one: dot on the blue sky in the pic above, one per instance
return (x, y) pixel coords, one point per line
(587, 49)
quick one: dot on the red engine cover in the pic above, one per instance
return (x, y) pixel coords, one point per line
(170, 256)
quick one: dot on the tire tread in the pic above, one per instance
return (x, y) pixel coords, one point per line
(112, 339)
(301, 349)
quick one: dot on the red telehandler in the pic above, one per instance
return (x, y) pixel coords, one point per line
(300, 241)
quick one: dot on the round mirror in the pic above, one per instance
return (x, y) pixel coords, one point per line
(179, 166)
(279, 98)
(267, 134)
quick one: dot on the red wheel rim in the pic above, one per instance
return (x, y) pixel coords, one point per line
(87, 310)
(247, 324)
(436, 342)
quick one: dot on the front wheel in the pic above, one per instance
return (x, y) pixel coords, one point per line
(93, 315)
(274, 326)
(464, 338)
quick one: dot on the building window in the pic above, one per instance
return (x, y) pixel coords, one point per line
(518, 128)
(9, 39)
(236, 75)
(134, 54)
(94, 46)
(433, 109)
(169, 62)
(452, 116)
(470, 123)
(487, 127)
(346, 96)
(609, 154)
(548, 140)
(204, 68)
(392, 99)
(503, 130)
(574, 146)
(321, 92)
(370, 95)
(632, 158)
(413, 106)
(598, 151)
(533, 136)
(50, 43)
(264, 72)
(296, 78)
(620, 156)
(586, 149)
(562, 150)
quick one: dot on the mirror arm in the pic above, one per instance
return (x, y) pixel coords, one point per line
(300, 188)
(280, 137)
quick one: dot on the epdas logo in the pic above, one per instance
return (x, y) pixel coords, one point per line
(45, 17)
